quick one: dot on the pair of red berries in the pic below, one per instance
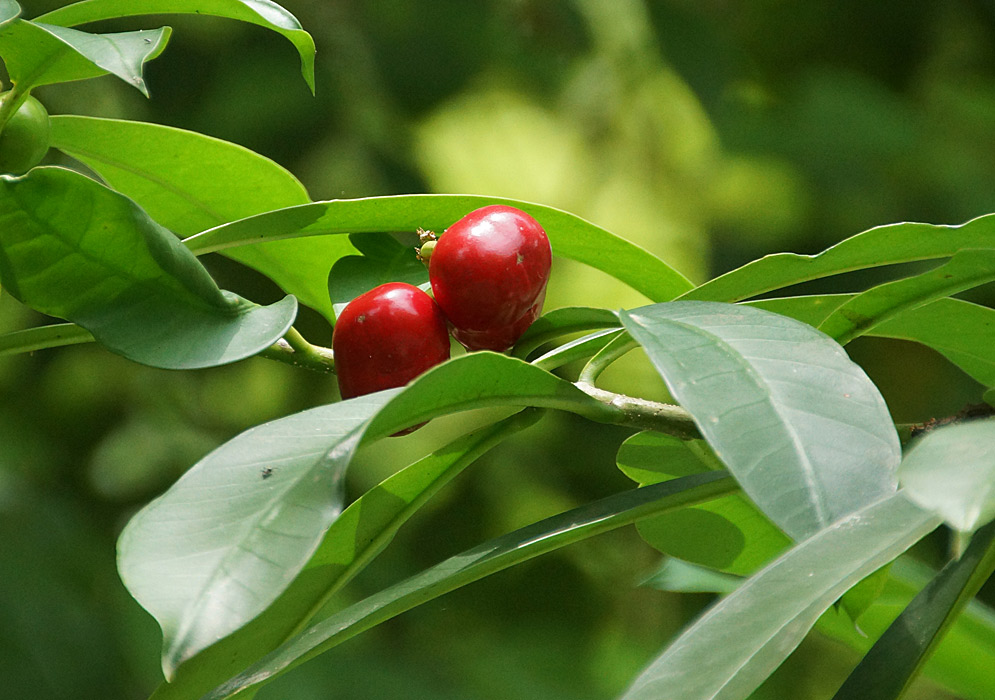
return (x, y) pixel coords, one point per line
(488, 273)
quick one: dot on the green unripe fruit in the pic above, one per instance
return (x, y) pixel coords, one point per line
(24, 138)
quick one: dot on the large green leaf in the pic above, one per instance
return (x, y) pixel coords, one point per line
(261, 12)
(884, 245)
(189, 182)
(951, 471)
(570, 236)
(384, 259)
(358, 535)
(728, 534)
(739, 642)
(9, 11)
(488, 558)
(205, 566)
(801, 427)
(967, 269)
(72, 248)
(39, 54)
(897, 657)
(962, 332)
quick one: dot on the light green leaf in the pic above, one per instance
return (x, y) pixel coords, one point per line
(51, 336)
(72, 248)
(901, 652)
(564, 321)
(9, 11)
(488, 558)
(384, 260)
(884, 245)
(40, 54)
(739, 642)
(729, 533)
(205, 567)
(577, 349)
(679, 576)
(967, 269)
(260, 12)
(570, 236)
(801, 427)
(951, 471)
(189, 182)
(354, 539)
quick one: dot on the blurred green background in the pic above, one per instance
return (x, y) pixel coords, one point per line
(709, 132)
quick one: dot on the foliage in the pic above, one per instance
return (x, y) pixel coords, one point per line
(765, 453)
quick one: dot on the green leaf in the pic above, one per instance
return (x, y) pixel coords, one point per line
(729, 533)
(884, 245)
(800, 426)
(51, 336)
(9, 11)
(260, 12)
(577, 349)
(570, 236)
(739, 642)
(205, 566)
(488, 558)
(965, 270)
(897, 657)
(354, 539)
(564, 321)
(72, 248)
(189, 182)
(951, 471)
(679, 576)
(40, 54)
(384, 260)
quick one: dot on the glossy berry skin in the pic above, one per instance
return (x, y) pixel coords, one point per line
(24, 139)
(489, 272)
(387, 337)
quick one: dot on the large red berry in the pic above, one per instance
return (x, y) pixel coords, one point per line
(489, 272)
(387, 337)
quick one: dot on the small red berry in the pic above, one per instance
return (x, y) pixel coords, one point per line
(489, 272)
(387, 337)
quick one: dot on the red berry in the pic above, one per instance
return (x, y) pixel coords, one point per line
(387, 337)
(489, 272)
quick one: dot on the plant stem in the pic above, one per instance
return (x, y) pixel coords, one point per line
(293, 349)
(644, 414)
(618, 346)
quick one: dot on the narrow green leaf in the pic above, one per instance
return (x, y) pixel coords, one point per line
(40, 54)
(51, 336)
(72, 248)
(384, 260)
(883, 245)
(577, 349)
(967, 269)
(951, 471)
(679, 576)
(564, 321)
(354, 538)
(570, 236)
(9, 11)
(739, 642)
(488, 558)
(260, 12)
(189, 182)
(728, 534)
(801, 427)
(205, 567)
(898, 656)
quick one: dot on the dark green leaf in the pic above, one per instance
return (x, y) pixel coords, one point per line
(951, 471)
(570, 236)
(967, 269)
(51, 336)
(189, 182)
(729, 533)
(739, 642)
(800, 426)
(384, 260)
(72, 248)
(884, 245)
(354, 538)
(205, 566)
(897, 657)
(488, 558)
(261, 12)
(39, 54)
